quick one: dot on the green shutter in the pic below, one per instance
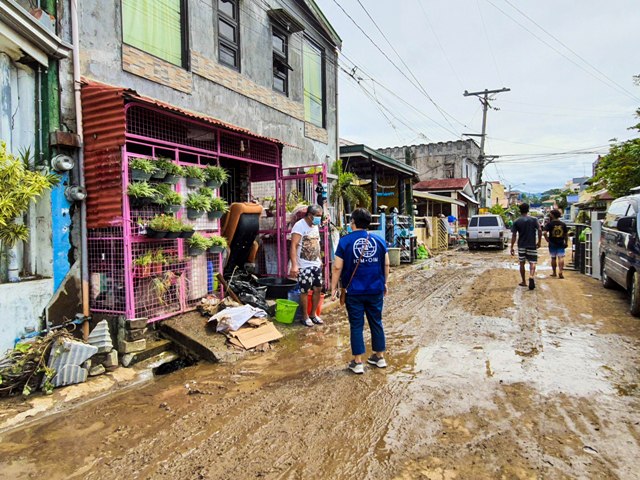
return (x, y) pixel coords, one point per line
(313, 94)
(154, 26)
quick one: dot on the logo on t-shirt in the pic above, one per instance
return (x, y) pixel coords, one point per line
(557, 232)
(365, 248)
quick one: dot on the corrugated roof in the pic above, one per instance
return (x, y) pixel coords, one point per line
(377, 157)
(442, 184)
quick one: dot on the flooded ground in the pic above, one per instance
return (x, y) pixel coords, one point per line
(485, 380)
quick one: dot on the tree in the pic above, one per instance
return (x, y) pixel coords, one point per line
(345, 189)
(619, 170)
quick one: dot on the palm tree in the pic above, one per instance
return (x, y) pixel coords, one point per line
(346, 191)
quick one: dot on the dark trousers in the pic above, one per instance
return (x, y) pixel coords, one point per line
(357, 307)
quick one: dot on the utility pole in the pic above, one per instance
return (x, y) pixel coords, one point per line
(483, 160)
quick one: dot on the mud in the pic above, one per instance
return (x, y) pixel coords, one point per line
(485, 380)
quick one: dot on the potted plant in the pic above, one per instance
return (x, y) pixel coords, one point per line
(197, 244)
(142, 265)
(195, 176)
(158, 261)
(159, 226)
(174, 172)
(161, 165)
(196, 205)
(219, 207)
(187, 231)
(141, 169)
(269, 204)
(141, 193)
(168, 198)
(217, 244)
(174, 228)
(215, 176)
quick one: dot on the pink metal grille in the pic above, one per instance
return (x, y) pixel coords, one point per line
(148, 122)
(106, 270)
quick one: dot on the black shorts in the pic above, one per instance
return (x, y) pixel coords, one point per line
(309, 278)
(527, 254)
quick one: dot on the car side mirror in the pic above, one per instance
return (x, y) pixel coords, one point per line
(627, 224)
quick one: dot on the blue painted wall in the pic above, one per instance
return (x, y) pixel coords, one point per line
(60, 230)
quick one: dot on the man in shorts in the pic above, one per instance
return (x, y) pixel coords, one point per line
(529, 234)
(306, 264)
(556, 234)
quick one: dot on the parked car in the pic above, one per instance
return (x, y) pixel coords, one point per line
(486, 230)
(620, 248)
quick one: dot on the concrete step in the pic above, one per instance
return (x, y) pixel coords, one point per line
(154, 348)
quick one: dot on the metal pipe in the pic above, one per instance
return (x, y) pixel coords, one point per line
(84, 253)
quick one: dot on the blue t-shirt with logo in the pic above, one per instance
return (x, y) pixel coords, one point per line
(369, 278)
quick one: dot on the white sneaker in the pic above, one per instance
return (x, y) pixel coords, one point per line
(377, 361)
(317, 320)
(356, 367)
(307, 322)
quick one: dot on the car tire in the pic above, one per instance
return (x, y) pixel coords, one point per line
(635, 294)
(472, 246)
(606, 281)
(503, 245)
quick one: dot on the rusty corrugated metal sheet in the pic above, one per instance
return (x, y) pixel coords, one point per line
(104, 135)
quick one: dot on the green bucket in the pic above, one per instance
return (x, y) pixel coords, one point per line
(285, 310)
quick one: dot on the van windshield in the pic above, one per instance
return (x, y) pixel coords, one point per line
(488, 221)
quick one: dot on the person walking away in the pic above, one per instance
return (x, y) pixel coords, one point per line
(306, 265)
(361, 264)
(529, 234)
(556, 234)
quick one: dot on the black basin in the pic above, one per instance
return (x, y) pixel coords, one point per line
(277, 287)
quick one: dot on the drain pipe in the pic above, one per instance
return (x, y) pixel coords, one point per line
(84, 253)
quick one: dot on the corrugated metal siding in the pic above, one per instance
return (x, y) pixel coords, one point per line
(104, 135)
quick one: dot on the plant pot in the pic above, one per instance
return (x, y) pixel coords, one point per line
(142, 271)
(172, 208)
(194, 252)
(171, 179)
(214, 214)
(140, 201)
(213, 184)
(194, 214)
(159, 174)
(216, 249)
(187, 234)
(139, 175)
(172, 235)
(151, 233)
(156, 268)
(194, 183)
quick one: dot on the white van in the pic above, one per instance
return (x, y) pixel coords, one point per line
(486, 230)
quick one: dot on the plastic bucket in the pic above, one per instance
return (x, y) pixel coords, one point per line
(394, 257)
(310, 304)
(285, 310)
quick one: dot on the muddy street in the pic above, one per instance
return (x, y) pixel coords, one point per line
(485, 380)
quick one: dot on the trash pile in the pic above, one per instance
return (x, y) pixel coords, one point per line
(242, 316)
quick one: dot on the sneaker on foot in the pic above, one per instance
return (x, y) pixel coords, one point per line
(377, 361)
(317, 320)
(307, 322)
(532, 284)
(356, 367)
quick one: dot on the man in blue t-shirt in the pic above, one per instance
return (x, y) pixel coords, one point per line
(362, 266)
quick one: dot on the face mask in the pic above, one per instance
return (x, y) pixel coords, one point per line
(316, 220)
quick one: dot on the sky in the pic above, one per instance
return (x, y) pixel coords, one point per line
(569, 65)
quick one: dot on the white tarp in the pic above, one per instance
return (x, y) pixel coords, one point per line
(232, 318)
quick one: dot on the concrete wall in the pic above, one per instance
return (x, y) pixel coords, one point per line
(441, 160)
(22, 306)
(244, 98)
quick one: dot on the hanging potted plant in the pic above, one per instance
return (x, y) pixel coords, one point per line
(158, 261)
(142, 265)
(174, 172)
(159, 226)
(161, 168)
(197, 245)
(219, 207)
(195, 176)
(187, 231)
(197, 204)
(141, 193)
(168, 198)
(215, 176)
(174, 228)
(141, 169)
(217, 244)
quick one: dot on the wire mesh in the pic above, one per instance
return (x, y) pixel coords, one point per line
(242, 146)
(106, 270)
